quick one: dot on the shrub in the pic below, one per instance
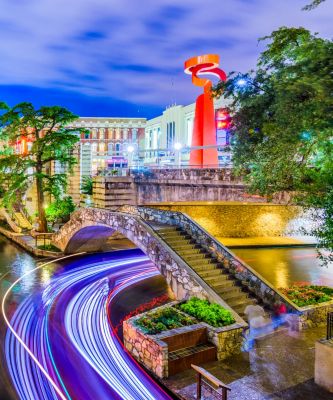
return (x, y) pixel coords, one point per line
(211, 313)
(305, 295)
(161, 320)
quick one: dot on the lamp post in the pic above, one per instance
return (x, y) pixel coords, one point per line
(178, 146)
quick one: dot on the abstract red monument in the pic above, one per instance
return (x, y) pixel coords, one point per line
(204, 130)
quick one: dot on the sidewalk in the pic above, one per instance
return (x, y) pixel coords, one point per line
(281, 366)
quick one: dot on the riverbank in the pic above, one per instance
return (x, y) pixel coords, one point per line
(28, 243)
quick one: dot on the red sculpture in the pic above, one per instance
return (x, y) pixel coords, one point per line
(204, 130)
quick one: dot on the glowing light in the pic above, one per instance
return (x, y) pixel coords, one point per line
(87, 329)
(178, 146)
(241, 82)
(130, 149)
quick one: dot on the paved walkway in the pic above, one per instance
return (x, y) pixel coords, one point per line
(281, 366)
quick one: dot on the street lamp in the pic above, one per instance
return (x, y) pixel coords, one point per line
(177, 146)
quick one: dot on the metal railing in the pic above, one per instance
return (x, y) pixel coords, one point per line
(43, 239)
(208, 383)
(329, 334)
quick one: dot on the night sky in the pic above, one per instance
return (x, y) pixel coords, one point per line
(125, 57)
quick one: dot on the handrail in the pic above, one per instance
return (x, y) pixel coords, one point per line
(202, 373)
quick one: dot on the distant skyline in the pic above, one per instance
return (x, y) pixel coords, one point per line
(125, 57)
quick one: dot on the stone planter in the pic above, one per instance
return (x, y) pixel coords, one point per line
(153, 350)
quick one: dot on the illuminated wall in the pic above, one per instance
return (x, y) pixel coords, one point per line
(242, 220)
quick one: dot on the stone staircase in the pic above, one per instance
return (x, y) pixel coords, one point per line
(208, 268)
(22, 220)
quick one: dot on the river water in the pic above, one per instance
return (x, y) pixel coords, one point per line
(14, 263)
(280, 266)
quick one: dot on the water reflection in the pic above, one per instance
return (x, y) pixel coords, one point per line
(285, 266)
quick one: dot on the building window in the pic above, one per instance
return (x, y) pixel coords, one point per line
(117, 133)
(117, 149)
(102, 147)
(87, 135)
(94, 133)
(94, 148)
(110, 149)
(101, 133)
(171, 132)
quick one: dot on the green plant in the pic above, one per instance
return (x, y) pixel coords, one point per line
(60, 210)
(305, 295)
(87, 185)
(211, 313)
(163, 319)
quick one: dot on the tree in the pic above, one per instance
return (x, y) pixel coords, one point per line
(32, 139)
(87, 185)
(60, 210)
(283, 122)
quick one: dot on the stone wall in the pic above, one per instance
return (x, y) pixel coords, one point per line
(114, 191)
(242, 220)
(165, 185)
(152, 351)
(315, 315)
(146, 349)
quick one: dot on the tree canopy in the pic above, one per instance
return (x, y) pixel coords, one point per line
(31, 140)
(283, 121)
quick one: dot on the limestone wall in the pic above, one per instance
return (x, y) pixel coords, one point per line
(165, 185)
(146, 349)
(241, 220)
(315, 315)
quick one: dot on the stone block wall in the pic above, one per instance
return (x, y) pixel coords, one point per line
(228, 340)
(146, 349)
(111, 192)
(313, 316)
(208, 184)
(152, 351)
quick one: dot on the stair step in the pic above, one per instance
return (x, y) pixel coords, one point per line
(187, 351)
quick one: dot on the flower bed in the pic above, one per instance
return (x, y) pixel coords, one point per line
(305, 295)
(211, 313)
(188, 313)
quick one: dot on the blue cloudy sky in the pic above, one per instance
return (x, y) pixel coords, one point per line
(125, 57)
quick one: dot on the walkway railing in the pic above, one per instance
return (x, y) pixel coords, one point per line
(208, 383)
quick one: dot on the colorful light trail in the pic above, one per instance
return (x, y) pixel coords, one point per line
(60, 343)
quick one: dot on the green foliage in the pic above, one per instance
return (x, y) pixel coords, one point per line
(87, 185)
(211, 313)
(305, 295)
(161, 320)
(60, 210)
(283, 122)
(49, 247)
(51, 141)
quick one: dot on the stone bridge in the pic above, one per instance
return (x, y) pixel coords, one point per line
(143, 226)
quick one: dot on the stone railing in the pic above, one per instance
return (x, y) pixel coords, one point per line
(255, 283)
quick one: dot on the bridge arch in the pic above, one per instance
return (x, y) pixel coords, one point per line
(89, 226)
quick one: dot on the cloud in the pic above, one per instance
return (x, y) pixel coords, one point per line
(134, 50)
